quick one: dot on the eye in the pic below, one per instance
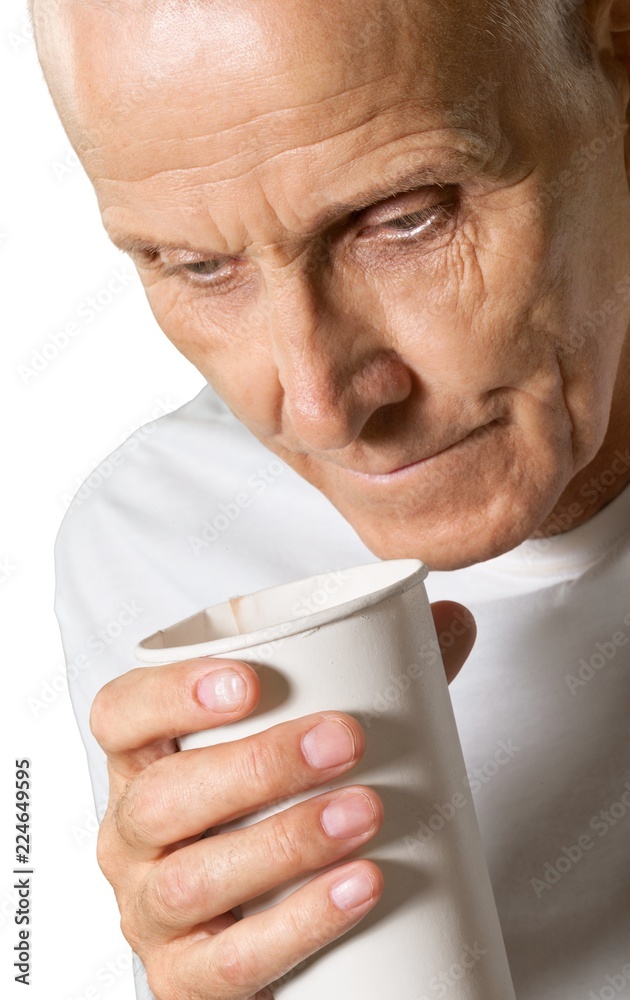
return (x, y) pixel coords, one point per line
(203, 268)
(214, 273)
(424, 224)
(414, 223)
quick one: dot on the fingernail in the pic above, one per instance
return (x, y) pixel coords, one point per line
(348, 816)
(222, 690)
(353, 890)
(328, 744)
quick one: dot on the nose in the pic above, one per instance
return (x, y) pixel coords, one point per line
(335, 368)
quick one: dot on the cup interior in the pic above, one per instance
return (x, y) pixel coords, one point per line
(287, 608)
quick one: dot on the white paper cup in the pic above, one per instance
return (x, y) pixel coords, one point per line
(363, 641)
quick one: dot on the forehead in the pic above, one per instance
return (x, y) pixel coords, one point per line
(215, 94)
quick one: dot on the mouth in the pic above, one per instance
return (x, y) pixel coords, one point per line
(405, 470)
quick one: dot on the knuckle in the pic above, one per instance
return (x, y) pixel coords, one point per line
(287, 842)
(122, 818)
(135, 923)
(169, 974)
(103, 855)
(105, 710)
(169, 701)
(174, 890)
(136, 809)
(129, 927)
(158, 982)
(236, 963)
(296, 926)
(261, 764)
(312, 924)
(106, 854)
(140, 921)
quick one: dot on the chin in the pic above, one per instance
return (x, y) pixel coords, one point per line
(456, 551)
(452, 539)
(473, 502)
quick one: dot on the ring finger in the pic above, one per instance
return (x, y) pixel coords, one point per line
(195, 883)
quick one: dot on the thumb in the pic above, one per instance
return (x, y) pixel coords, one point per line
(456, 631)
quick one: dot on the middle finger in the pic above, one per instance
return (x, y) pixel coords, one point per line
(181, 795)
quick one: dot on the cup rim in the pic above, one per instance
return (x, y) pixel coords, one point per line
(282, 630)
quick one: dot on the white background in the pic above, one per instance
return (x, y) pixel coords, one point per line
(89, 394)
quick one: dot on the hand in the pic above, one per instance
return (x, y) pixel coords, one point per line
(175, 890)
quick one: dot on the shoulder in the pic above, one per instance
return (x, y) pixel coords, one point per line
(186, 504)
(167, 469)
(141, 455)
(123, 545)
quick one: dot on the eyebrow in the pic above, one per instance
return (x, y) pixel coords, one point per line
(425, 176)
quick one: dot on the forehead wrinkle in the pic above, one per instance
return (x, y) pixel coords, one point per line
(296, 234)
(425, 32)
(275, 129)
(234, 132)
(467, 143)
(126, 83)
(126, 86)
(139, 99)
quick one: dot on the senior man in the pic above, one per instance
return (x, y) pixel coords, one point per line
(394, 237)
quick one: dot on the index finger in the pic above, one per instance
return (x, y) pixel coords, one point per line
(136, 717)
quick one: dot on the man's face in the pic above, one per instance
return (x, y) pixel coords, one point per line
(458, 315)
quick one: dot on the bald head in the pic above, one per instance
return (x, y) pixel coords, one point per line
(557, 23)
(548, 38)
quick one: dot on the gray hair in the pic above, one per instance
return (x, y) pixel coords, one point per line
(554, 39)
(548, 28)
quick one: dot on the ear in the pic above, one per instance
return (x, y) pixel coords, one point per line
(609, 22)
(620, 34)
(620, 31)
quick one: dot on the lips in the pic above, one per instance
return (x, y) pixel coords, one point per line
(414, 461)
(418, 461)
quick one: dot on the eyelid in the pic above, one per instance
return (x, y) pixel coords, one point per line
(405, 203)
(181, 257)
(222, 279)
(171, 261)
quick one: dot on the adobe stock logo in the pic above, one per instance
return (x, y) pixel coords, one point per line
(613, 986)
(85, 312)
(605, 651)
(445, 980)
(601, 823)
(227, 513)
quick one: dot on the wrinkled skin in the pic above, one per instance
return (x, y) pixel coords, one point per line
(354, 343)
(489, 302)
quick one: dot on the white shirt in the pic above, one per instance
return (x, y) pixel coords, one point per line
(199, 510)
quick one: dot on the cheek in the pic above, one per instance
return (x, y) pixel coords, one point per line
(479, 316)
(190, 323)
(231, 352)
